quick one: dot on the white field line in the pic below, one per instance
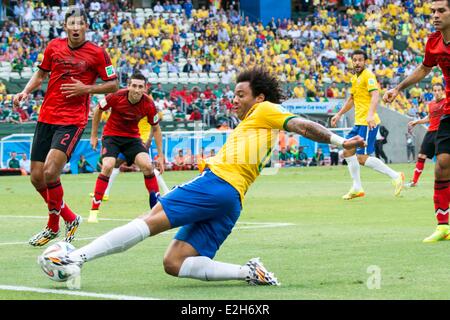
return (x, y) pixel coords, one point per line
(241, 226)
(74, 293)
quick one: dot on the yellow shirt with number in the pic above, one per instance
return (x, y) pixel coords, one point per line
(361, 89)
(249, 146)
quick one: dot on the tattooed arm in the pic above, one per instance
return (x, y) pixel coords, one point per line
(316, 132)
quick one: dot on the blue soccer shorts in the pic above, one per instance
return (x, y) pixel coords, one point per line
(368, 135)
(207, 208)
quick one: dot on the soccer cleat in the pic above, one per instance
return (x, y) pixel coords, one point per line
(259, 274)
(153, 199)
(43, 237)
(62, 265)
(410, 184)
(71, 228)
(442, 232)
(352, 194)
(105, 196)
(93, 216)
(398, 184)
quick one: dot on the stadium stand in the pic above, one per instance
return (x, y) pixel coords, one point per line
(206, 47)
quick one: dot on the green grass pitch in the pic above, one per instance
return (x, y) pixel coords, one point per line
(319, 246)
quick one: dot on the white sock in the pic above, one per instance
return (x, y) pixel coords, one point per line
(354, 169)
(116, 240)
(203, 268)
(380, 166)
(113, 177)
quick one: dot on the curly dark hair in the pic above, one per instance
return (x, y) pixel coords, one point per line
(262, 82)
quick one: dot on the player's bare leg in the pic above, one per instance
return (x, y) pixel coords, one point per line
(143, 161)
(354, 170)
(45, 178)
(441, 198)
(181, 259)
(101, 185)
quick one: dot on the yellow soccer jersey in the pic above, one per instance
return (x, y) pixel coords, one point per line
(249, 146)
(362, 86)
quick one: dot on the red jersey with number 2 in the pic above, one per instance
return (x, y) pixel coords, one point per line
(125, 116)
(438, 53)
(85, 63)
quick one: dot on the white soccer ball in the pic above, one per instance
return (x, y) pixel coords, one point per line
(56, 250)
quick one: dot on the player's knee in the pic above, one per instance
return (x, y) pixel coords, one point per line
(442, 171)
(147, 169)
(37, 180)
(107, 170)
(50, 174)
(171, 265)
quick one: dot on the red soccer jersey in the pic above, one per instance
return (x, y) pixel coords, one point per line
(435, 111)
(438, 53)
(85, 63)
(125, 116)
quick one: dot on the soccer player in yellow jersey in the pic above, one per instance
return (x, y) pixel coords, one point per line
(207, 207)
(364, 96)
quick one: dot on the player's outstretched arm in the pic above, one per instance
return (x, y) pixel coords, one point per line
(34, 83)
(314, 131)
(417, 75)
(347, 107)
(420, 121)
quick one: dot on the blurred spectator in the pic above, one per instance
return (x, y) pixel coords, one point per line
(318, 159)
(25, 163)
(13, 162)
(195, 115)
(334, 155)
(410, 146)
(83, 165)
(188, 68)
(302, 157)
(178, 163)
(2, 88)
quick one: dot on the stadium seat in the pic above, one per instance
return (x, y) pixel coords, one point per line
(193, 78)
(4, 76)
(163, 80)
(14, 75)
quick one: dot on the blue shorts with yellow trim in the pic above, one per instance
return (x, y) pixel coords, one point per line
(207, 208)
(368, 135)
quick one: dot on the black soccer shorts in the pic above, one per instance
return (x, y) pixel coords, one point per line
(52, 136)
(129, 147)
(428, 146)
(443, 136)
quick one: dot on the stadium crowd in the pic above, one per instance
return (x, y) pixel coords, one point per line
(310, 54)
